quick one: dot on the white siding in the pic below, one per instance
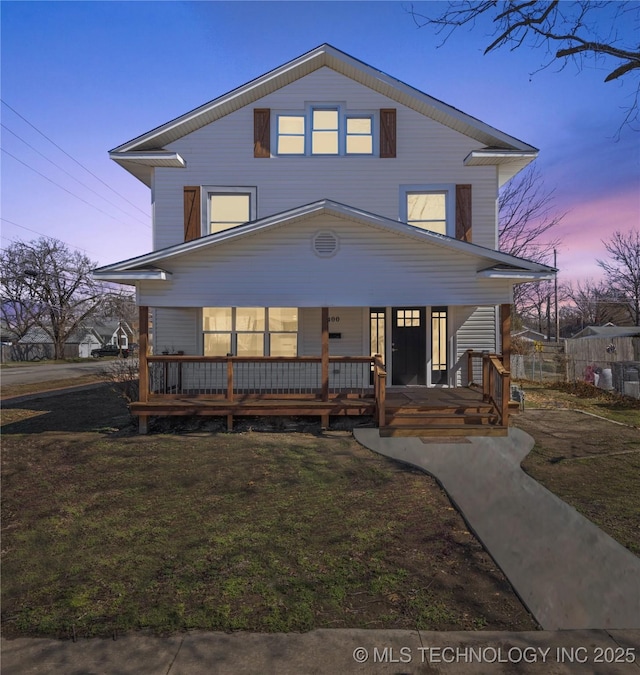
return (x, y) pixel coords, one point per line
(475, 329)
(177, 329)
(348, 321)
(277, 267)
(222, 154)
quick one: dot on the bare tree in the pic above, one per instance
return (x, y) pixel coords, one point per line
(579, 30)
(19, 306)
(526, 216)
(622, 271)
(534, 303)
(590, 303)
(45, 284)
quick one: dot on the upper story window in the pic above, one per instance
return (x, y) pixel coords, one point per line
(325, 130)
(430, 207)
(291, 134)
(228, 207)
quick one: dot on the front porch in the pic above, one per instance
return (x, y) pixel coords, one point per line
(323, 386)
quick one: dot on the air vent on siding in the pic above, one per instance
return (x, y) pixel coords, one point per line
(325, 244)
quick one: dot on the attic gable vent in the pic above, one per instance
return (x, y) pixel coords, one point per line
(325, 244)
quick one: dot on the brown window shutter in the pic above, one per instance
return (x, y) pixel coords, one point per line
(192, 225)
(387, 132)
(463, 212)
(261, 132)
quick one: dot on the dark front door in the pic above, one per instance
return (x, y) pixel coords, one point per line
(408, 337)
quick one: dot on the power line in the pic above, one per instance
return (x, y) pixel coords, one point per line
(72, 158)
(73, 194)
(4, 126)
(6, 220)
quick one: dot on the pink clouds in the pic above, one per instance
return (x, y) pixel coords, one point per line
(586, 224)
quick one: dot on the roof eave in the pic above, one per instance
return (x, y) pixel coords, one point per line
(509, 162)
(130, 276)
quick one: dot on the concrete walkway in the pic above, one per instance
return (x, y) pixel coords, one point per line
(567, 571)
(332, 652)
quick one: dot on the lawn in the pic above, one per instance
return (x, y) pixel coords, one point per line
(107, 531)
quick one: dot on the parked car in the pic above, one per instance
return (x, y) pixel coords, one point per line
(109, 350)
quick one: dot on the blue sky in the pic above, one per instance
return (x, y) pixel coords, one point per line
(92, 75)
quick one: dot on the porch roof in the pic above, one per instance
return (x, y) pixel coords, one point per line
(491, 263)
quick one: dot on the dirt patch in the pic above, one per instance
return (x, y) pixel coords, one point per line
(590, 463)
(567, 433)
(97, 409)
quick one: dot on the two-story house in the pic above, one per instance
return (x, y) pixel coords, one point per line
(325, 242)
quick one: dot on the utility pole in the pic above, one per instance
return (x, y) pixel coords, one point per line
(555, 291)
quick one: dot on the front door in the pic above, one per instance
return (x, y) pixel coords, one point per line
(408, 352)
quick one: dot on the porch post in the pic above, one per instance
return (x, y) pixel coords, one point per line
(505, 327)
(325, 361)
(143, 367)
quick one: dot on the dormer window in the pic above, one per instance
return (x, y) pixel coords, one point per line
(325, 130)
(291, 134)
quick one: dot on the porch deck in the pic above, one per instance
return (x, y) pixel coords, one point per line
(409, 411)
(322, 386)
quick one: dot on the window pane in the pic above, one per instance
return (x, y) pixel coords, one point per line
(359, 145)
(324, 143)
(250, 344)
(228, 211)
(289, 124)
(283, 318)
(217, 344)
(377, 332)
(216, 318)
(426, 206)
(359, 125)
(250, 318)
(325, 119)
(291, 145)
(284, 344)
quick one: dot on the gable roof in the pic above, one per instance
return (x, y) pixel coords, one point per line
(142, 152)
(498, 265)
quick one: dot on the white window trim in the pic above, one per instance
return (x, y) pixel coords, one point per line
(343, 114)
(448, 188)
(208, 190)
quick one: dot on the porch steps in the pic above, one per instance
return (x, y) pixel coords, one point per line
(468, 420)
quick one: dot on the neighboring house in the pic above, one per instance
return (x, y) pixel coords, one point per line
(37, 344)
(529, 335)
(607, 331)
(118, 333)
(316, 216)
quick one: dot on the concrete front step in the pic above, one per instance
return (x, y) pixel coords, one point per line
(433, 417)
(427, 430)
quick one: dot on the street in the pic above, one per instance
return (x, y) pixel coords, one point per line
(48, 372)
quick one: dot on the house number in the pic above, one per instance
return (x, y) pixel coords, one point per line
(334, 319)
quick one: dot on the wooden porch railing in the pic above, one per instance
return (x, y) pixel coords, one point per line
(496, 382)
(234, 377)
